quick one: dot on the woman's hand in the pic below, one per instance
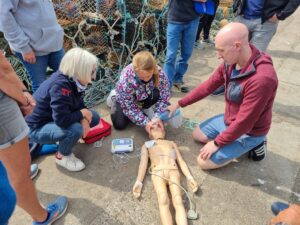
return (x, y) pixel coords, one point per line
(85, 126)
(148, 126)
(28, 105)
(29, 57)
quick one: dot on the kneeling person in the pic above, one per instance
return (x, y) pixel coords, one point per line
(60, 114)
(250, 88)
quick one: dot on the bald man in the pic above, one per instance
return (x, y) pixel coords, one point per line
(250, 87)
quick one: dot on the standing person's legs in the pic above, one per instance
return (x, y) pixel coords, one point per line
(174, 35)
(55, 59)
(187, 45)
(200, 26)
(36, 71)
(262, 34)
(7, 196)
(209, 20)
(16, 160)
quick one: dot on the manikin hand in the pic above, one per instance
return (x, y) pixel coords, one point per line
(172, 108)
(29, 57)
(208, 150)
(193, 185)
(137, 189)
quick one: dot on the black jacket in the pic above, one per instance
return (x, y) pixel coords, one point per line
(282, 8)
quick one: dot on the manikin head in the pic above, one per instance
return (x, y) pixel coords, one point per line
(157, 132)
(231, 42)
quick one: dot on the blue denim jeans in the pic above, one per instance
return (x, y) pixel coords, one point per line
(214, 126)
(260, 34)
(185, 35)
(7, 197)
(37, 71)
(67, 137)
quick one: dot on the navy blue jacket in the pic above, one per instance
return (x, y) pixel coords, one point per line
(58, 100)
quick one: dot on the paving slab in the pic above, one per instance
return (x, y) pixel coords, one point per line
(239, 194)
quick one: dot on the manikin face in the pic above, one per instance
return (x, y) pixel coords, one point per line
(157, 132)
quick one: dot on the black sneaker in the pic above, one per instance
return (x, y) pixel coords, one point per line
(259, 152)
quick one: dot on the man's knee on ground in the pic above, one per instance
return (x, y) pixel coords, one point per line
(163, 199)
(206, 164)
(199, 136)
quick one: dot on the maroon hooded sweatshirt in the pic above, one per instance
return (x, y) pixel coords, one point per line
(249, 96)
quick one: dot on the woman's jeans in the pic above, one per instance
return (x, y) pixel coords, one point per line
(183, 35)
(7, 197)
(67, 137)
(37, 71)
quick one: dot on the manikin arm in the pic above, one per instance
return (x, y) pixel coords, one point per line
(185, 170)
(137, 188)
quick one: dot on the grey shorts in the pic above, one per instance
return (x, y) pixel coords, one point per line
(13, 127)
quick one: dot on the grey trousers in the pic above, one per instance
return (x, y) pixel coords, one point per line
(260, 35)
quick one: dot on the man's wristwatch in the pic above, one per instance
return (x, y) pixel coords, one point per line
(216, 144)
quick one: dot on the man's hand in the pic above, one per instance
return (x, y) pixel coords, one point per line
(137, 189)
(172, 108)
(208, 150)
(4, 64)
(28, 105)
(85, 126)
(29, 57)
(87, 114)
(193, 185)
(274, 19)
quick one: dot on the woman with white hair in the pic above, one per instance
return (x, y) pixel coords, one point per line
(60, 114)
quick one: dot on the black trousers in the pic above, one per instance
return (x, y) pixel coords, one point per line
(205, 23)
(120, 120)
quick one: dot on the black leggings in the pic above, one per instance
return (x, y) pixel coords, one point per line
(205, 23)
(120, 120)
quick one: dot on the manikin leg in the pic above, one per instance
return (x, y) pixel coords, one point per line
(181, 217)
(160, 187)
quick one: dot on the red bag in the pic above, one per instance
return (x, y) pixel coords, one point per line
(97, 132)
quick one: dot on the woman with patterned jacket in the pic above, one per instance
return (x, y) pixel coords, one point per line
(142, 85)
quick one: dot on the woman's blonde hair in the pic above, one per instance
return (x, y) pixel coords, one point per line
(144, 60)
(79, 64)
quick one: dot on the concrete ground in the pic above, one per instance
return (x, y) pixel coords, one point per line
(239, 194)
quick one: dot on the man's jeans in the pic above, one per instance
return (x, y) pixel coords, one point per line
(185, 35)
(37, 71)
(67, 137)
(260, 35)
